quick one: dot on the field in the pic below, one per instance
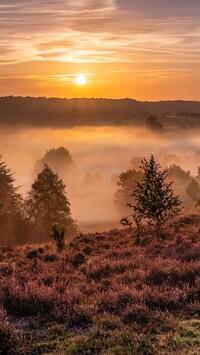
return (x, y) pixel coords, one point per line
(103, 294)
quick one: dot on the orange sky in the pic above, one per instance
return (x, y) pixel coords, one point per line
(148, 50)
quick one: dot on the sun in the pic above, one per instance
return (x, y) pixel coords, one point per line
(81, 80)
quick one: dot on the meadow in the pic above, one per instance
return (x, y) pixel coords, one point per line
(103, 294)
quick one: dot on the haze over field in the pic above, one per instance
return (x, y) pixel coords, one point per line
(92, 54)
(106, 150)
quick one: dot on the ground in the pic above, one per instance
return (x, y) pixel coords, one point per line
(104, 294)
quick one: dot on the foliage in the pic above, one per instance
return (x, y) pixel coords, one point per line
(153, 123)
(126, 223)
(175, 172)
(58, 235)
(104, 295)
(47, 203)
(171, 160)
(126, 183)
(59, 160)
(193, 190)
(155, 201)
(10, 206)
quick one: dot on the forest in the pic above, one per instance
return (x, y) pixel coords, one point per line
(25, 219)
(41, 112)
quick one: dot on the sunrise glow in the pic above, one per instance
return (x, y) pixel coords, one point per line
(81, 80)
(147, 50)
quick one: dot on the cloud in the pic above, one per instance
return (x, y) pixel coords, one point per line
(145, 33)
(157, 8)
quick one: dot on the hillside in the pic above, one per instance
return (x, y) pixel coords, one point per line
(61, 113)
(104, 294)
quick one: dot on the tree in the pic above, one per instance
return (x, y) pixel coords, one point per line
(171, 160)
(198, 175)
(126, 182)
(155, 200)
(153, 124)
(193, 190)
(10, 205)
(47, 203)
(60, 161)
(176, 173)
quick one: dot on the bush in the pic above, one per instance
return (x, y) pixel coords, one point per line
(138, 313)
(58, 235)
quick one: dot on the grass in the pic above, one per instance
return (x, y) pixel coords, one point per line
(104, 295)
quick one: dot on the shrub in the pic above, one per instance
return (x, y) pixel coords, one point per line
(58, 235)
(78, 259)
(138, 313)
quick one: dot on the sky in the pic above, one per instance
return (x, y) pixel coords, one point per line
(146, 50)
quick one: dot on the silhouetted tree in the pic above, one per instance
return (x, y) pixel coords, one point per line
(193, 190)
(198, 175)
(171, 159)
(47, 203)
(175, 172)
(10, 205)
(58, 235)
(155, 200)
(59, 160)
(153, 123)
(126, 182)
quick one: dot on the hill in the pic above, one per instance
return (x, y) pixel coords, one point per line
(104, 295)
(55, 112)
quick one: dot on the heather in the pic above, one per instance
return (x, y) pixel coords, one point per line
(103, 294)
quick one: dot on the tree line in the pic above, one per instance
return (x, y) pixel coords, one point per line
(41, 112)
(30, 219)
(146, 190)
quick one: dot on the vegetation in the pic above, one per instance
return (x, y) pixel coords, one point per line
(10, 205)
(103, 295)
(153, 123)
(41, 112)
(58, 235)
(193, 190)
(155, 200)
(59, 160)
(126, 183)
(47, 203)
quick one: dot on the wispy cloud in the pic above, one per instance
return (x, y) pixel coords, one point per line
(102, 32)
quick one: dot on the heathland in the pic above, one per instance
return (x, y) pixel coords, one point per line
(103, 294)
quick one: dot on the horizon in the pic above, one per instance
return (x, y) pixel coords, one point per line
(97, 98)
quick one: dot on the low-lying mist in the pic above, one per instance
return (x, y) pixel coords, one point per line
(99, 154)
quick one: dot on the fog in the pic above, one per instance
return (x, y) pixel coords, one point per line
(103, 150)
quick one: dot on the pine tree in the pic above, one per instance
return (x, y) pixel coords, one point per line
(47, 203)
(10, 204)
(155, 200)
